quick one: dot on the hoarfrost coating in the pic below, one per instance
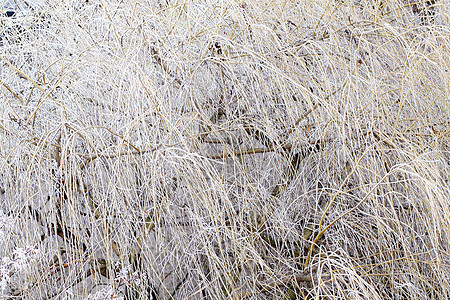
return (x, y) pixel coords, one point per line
(13, 5)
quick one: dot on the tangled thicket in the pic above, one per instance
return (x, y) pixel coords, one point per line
(225, 150)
